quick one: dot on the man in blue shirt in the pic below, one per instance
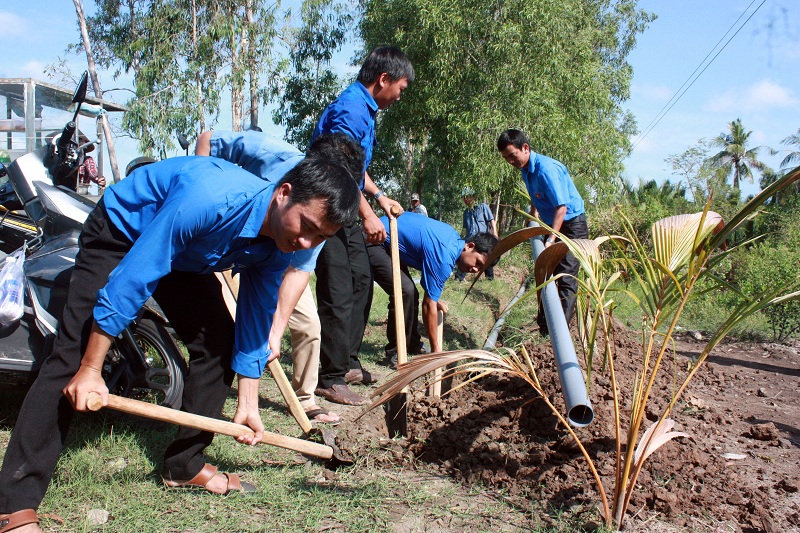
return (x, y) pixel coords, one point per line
(555, 200)
(478, 218)
(164, 231)
(344, 281)
(434, 248)
(270, 158)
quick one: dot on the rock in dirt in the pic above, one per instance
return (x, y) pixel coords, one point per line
(766, 431)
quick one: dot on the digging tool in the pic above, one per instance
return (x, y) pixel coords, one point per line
(396, 408)
(436, 387)
(164, 414)
(274, 366)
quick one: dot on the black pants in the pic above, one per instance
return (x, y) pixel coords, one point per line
(344, 296)
(192, 302)
(574, 228)
(381, 262)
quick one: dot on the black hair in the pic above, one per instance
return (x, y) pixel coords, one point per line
(315, 178)
(341, 148)
(388, 59)
(484, 243)
(515, 137)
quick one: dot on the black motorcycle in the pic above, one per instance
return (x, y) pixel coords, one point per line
(144, 361)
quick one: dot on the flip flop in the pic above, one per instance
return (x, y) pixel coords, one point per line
(321, 416)
(200, 481)
(11, 521)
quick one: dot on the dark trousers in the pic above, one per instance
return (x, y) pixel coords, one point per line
(344, 295)
(381, 262)
(192, 302)
(575, 228)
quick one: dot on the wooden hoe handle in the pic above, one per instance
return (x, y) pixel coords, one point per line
(181, 418)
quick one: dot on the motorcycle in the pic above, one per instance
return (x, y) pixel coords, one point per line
(144, 361)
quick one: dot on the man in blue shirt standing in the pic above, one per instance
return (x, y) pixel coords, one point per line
(344, 280)
(555, 200)
(434, 248)
(478, 218)
(164, 231)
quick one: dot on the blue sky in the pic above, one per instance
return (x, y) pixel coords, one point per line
(754, 78)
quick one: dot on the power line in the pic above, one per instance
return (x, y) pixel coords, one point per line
(690, 81)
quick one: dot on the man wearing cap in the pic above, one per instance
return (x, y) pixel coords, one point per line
(478, 218)
(417, 207)
(555, 200)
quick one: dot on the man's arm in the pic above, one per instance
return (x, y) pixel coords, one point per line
(430, 311)
(292, 287)
(558, 221)
(373, 227)
(88, 378)
(203, 146)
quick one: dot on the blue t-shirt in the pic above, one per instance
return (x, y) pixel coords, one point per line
(430, 246)
(352, 113)
(196, 214)
(550, 186)
(265, 156)
(476, 219)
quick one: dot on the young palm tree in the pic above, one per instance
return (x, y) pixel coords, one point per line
(735, 154)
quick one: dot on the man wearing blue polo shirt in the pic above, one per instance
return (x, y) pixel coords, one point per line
(164, 231)
(555, 200)
(344, 281)
(433, 248)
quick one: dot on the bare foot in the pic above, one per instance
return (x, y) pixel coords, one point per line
(218, 484)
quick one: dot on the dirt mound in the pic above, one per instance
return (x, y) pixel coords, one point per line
(740, 466)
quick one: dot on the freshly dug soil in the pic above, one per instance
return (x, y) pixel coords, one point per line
(740, 467)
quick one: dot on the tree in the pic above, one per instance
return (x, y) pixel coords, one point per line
(793, 158)
(183, 55)
(311, 85)
(735, 156)
(701, 177)
(556, 69)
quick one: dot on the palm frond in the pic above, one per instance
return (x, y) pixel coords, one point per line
(655, 437)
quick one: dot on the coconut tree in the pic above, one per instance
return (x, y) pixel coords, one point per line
(793, 159)
(735, 154)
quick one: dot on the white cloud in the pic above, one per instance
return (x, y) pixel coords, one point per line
(763, 95)
(32, 69)
(13, 26)
(652, 92)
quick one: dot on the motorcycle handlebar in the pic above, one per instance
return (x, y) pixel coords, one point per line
(66, 137)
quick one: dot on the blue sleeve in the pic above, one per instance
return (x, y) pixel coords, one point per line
(150, 258)
(255, 307)
(306, 260)
(487, 213)
(433, 279)
(355, 124)
(555, 184)
(261, 154)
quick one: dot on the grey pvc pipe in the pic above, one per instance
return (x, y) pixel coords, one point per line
(579, 408)
(491, 340)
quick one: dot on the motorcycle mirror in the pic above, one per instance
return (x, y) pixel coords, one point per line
(80, 93)
(183, 141)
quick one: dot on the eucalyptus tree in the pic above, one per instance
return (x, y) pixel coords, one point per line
(735, 155)
(556, 69)
(183, 55)
(311, 83)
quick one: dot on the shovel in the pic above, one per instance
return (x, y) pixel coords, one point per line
(396, 408)
(435, 389)
(164, 414)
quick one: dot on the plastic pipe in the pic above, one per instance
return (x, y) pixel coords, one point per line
(579, 408)
(491, 340)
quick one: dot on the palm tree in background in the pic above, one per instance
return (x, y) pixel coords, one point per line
(735, 155)
(793, 159)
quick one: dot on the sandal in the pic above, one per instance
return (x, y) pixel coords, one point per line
(17, 519)
(200, 481)
(321, 416)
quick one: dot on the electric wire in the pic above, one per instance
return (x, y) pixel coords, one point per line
(681, 90)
